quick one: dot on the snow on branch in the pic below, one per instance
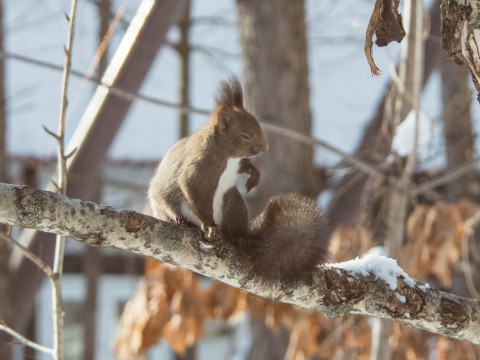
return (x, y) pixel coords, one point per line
(373, 286)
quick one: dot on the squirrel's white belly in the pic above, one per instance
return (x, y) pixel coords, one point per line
(188, 213)
(226, 182)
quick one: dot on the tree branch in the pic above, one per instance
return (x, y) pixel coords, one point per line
(30, 255)
(335, 290)
(24, 341)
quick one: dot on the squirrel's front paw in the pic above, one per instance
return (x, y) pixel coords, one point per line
(251, 183)
(253, 179)
(247, 167)
(214, 238)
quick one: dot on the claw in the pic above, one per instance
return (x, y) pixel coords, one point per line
(211, 232)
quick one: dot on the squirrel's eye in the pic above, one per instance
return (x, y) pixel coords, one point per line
(246, 136)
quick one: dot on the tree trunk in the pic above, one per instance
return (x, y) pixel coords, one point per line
(273, 38)
(5, 284)
(460, 149)
(457, 127)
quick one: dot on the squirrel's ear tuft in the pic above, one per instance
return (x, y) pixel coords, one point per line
(230, 93)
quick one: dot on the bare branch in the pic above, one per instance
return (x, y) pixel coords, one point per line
(362, 165)
(30, 255)
(51, 133)
(334, 291)
(55, 185)
(24, 341)
(449, 176)
(71, 153)
(58, 313)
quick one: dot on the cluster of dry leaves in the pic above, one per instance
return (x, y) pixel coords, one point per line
(171, 304)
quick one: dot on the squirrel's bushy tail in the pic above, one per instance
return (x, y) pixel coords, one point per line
(288, 239)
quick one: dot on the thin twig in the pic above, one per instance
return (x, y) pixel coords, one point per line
(30, 255)
(451, 175)
(309, 140)
(51, 133)
(62, 161)
(55, 185)
(71, 153)
(24, 341)
(58, 313)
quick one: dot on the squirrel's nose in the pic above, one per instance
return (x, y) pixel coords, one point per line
(259, 148)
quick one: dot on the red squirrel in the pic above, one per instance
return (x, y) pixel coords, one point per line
(195, 183)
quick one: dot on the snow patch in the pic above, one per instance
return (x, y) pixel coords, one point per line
(424, 287)
(403, 142)
(382, 267)
(429, 140)
(401, 298)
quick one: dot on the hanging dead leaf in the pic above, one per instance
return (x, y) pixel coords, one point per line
(273, 313)
(186, 325)
(167, 303)
(386, 23)
(142, 320)
(347, 243)
(224, 301)
(435, 234)
(304, 335)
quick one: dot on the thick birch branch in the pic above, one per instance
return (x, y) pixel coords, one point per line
(333, 291)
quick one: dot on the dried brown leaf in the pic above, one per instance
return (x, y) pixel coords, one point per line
(273, 313)
(386, 23)
(303, 338)
(435, 234)
(142, 320)
(346, 243)
(167, 303)
(224, 301)
(188, 316)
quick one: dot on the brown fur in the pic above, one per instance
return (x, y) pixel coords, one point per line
(190, 171)
(288, 238)
(230, 93)
(285, 242)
